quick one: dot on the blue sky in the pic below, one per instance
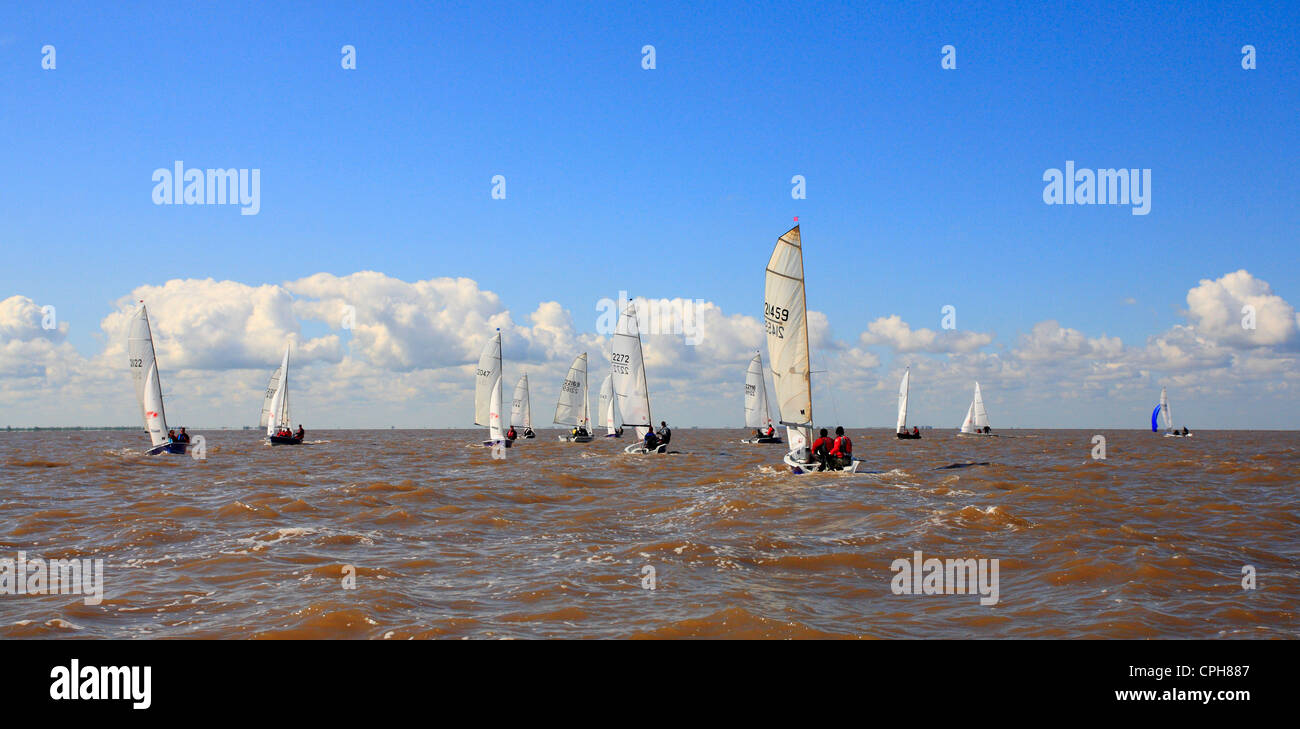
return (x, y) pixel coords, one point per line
(923, 185)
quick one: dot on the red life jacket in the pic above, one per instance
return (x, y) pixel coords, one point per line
(821, 443)
(843, 446)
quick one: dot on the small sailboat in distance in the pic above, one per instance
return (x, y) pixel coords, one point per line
(977, 418)
(148, 387)
(521, 409)
(572, 408)
(757, 415)
(785, 313)
(275, 406)
(608, 405)
(1162, 410)
(487, 392)
(627, 370)
(903, 390)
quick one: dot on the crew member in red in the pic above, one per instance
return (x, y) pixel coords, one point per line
(916, 430)
(841, 454)
(511, 434)
(821, 449)
(770, 430)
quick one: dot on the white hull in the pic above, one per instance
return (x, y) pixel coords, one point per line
(1177, 435)
(640, 449)
(575, 438)
(978, 435)
(798, 466)
(763, 441)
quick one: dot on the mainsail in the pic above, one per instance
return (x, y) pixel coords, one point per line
(521, 410)
(756, 411)
(571, 409)
(902, 400)
(144, 370)
(627, 368)
(607, 404)
(275, 412)
(785, 314)
(487, 378)
(1165, 414)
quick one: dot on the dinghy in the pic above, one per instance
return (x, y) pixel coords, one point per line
(627, 371)
(757, 415)
(275, 406)
(977, 418)
(487, 392)
(608, 404)
(903, 387)
(1163, 410)
(572, 409)
(521, 410)
(148, 387)
(786, 317)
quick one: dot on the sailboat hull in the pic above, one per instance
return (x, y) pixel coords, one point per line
(978, 435)
(576, 438)
(493, 443)
(800, 467)
(1177, 435)
(285, 440)
(173, 448)
(761, 441)
(639, 449)
(908, 436)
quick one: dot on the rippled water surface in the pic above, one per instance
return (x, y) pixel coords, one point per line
(551, 542)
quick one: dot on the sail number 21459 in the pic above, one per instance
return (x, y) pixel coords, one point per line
(775, 317)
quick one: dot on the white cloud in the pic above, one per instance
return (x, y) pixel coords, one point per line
(1215, 310)
(897, 334)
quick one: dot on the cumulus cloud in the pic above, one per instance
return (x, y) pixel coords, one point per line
(1215, 309)
(897, 334)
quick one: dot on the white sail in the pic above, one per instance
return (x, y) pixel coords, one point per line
(967, 425)
(272, 387)
(276, 414)
(144, 370)
(495, 431)
(571, 409)
(1165, 415)
(902, 400)
(521, 410)
(756, 411)
(607, 404)
(786, 318)
(981, 416)
(627, 367)
(486, 378)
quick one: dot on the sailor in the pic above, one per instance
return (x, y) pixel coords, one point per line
(511, 434)
(651, 440)
(665, 434)
(916, 430)
(821, 450)
(171, 436)
(183, 437)
(1185, 430)
(299, 435)
(987, 429)
(841, 453)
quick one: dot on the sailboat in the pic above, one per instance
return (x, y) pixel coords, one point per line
(756, 412)
(903, 388)
(627, 370)
(572, 408)
(148, 387)
(977, 418)
(607, 405)
(521, 410)
(487, 392)
(275, 406)
(786, 316)
(1163, 408)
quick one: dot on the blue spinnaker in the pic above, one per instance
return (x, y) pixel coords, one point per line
(1155, 414)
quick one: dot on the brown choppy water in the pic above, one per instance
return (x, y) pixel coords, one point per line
(551, 542)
